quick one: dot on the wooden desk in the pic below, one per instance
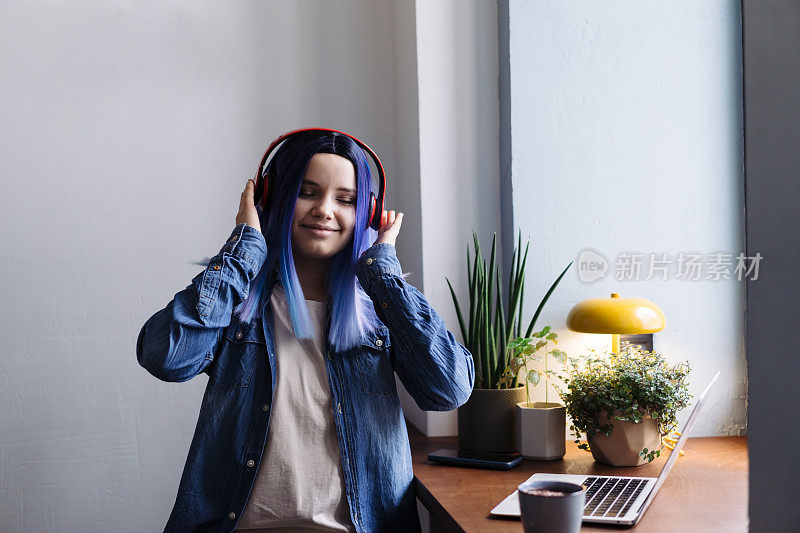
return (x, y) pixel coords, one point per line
(706, 490)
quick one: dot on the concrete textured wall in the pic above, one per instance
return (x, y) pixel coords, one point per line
(626, 136)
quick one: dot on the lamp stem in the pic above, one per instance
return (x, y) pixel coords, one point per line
(614, 336)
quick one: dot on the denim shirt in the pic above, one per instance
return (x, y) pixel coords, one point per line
(196, 333)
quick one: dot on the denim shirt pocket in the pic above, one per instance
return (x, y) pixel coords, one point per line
(375, 364)
(235, 360)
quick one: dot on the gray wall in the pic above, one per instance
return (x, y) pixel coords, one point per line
(772, 137)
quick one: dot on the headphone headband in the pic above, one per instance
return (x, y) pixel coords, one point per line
(376, 204)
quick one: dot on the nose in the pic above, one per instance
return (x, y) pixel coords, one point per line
(323, 207)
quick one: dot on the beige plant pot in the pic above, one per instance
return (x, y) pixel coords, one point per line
(542, 430)
(627, 440)
(486, 423)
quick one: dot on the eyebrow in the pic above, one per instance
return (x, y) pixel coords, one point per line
(345, 189)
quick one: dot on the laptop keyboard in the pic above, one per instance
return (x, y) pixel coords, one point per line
(611, 496)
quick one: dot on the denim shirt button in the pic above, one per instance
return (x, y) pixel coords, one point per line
(368, 261)
(232, 516)
(216, 267)
(379, 343)
(384, 305)
(251, 463)
(239, 335)
(266, 407)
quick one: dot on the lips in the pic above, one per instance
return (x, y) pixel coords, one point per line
(319, 228)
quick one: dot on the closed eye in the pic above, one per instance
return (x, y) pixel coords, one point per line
(309, 194)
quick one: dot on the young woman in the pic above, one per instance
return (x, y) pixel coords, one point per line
(300, 331)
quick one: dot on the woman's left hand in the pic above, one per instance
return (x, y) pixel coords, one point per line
(389, 228)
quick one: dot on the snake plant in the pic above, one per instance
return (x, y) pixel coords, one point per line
(491, 327)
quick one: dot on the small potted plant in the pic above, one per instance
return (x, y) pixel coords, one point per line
(542, 431)
(625, 403)
(486, 422)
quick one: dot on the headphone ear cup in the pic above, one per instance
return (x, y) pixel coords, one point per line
(372, 203)
(261, 190)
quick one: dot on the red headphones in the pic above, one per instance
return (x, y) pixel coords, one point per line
(376, 204)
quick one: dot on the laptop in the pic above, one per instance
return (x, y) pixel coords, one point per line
(620, 500)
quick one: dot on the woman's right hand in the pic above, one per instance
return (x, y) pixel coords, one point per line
(247, 208)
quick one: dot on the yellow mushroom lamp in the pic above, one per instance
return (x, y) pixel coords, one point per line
(617, 316)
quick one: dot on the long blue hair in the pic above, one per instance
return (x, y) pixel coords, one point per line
(352, 311)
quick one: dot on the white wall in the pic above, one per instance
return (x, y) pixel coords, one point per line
(456, 65)
(626, 123)
(129, 130)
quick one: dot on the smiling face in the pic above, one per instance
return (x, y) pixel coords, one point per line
(327, 200)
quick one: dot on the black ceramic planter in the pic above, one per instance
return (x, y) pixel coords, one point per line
(487, 422)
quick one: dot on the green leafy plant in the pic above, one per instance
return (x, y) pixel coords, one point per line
(490, 325)
(635, 383)
(530, 349)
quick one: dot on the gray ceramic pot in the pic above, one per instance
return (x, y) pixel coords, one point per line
(487, 422)
(542, 430)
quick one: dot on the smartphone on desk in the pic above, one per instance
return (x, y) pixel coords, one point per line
(494, 461)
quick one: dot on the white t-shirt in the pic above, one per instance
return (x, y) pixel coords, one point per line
(299, 485)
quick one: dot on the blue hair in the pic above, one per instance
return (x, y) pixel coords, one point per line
(352, 311)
